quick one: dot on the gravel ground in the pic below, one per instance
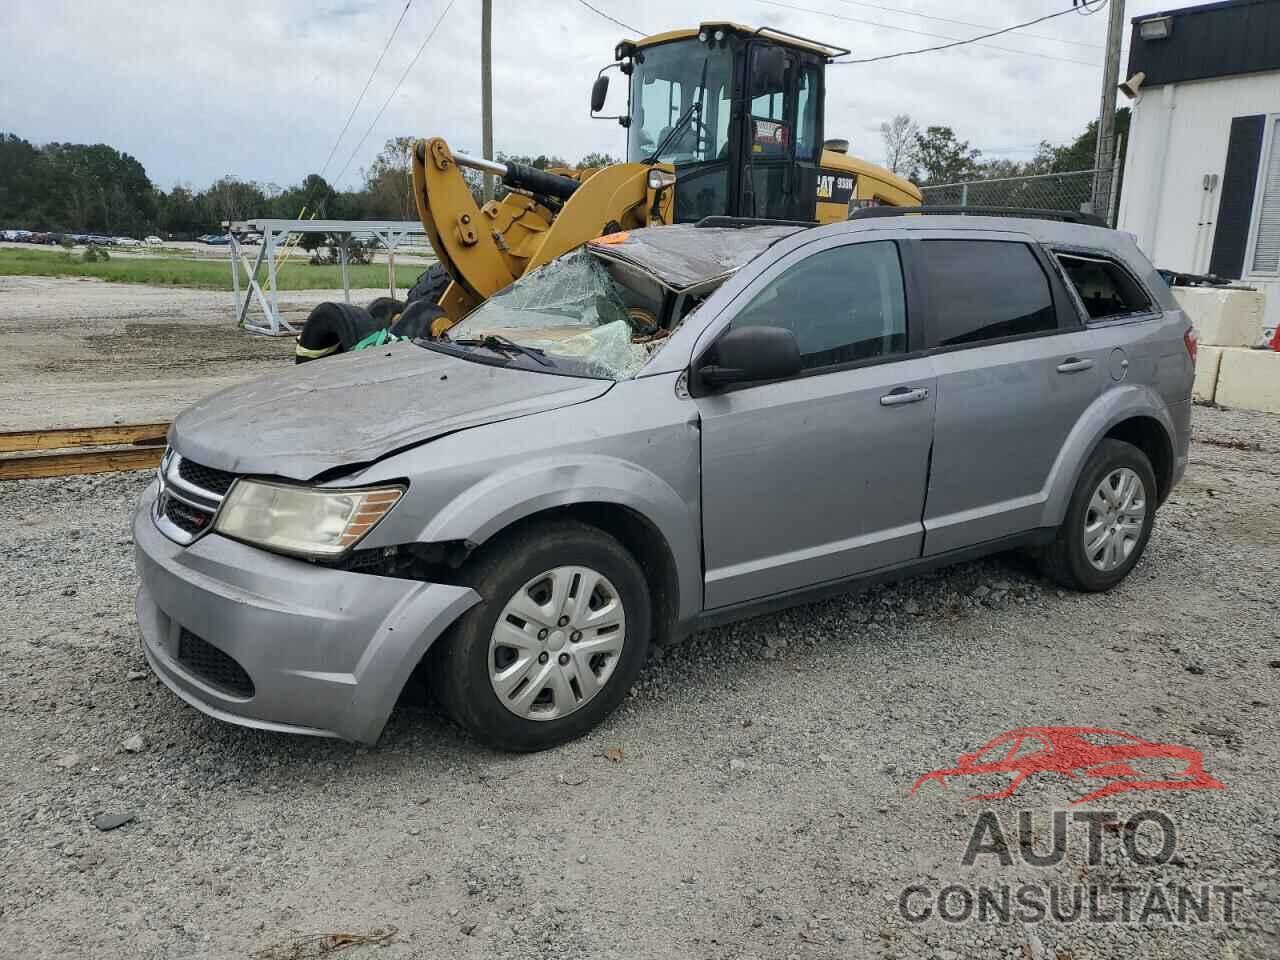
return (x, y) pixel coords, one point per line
(85, 352)
(750, 800)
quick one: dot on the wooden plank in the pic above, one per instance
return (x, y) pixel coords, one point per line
(70, 464)
(134, 433)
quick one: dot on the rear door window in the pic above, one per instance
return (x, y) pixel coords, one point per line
(982, 290)
(1106, 290)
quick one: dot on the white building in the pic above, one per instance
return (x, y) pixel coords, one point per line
(1202, 165)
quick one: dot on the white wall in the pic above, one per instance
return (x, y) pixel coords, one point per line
(1178, 134)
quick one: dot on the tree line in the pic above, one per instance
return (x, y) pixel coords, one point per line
(94, 188)
(935, 155)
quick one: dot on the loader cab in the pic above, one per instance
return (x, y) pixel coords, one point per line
(737, 113)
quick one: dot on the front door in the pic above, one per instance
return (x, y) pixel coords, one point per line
(821, 476)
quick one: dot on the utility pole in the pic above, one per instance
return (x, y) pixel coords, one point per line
(1104, 159)
(486, 88)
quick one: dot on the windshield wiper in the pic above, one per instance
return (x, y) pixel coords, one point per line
(496, 341)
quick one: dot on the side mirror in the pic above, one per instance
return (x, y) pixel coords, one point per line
(768, 71)
(599, 90)
(750, 354)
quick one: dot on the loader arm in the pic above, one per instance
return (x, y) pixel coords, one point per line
(484, 249)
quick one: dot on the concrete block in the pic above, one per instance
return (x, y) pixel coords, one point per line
(1208, 359)
(1223, 318)
(1249, 379)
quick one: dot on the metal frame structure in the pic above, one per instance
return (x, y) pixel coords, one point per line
(275, 233)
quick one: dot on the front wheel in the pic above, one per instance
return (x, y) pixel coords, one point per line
(1108, 521)
(560, 636)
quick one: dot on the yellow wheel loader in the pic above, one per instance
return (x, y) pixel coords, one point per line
(723, 120)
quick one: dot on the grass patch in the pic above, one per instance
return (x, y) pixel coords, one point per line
(200, 274)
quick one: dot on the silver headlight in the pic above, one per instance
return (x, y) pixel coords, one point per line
(302, 520)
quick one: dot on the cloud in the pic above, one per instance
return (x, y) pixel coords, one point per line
(196, 89)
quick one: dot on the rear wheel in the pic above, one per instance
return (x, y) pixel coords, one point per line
(430, 285)
(1108, 521)
(560, 636)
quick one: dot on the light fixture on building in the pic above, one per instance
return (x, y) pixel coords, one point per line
(1155, 28)
(1131, 86)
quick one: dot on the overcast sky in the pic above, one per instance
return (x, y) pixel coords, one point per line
(200, 88)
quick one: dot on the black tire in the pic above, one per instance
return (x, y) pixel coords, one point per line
(416, 320)
(430, 285)
(1066, 560)
(385, 310)
(459, 673)
(332, 328)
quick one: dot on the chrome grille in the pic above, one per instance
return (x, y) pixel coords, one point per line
(189, 497)
(206, 478)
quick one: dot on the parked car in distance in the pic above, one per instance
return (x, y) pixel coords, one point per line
(153, 241)
(656, 433)
(128, 242)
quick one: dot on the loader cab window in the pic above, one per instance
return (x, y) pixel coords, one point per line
(669, 81)
(807, 114)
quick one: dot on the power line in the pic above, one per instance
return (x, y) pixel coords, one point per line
(938, 36)
(965, 23)
(624, 26)
(360, 99)
(395, 89)
(961, 43)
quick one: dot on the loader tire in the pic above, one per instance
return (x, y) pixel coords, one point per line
(430, 285)
(415, 322)
(332, 328)
(385, 310)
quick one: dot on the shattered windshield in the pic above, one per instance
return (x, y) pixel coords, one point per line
(575, 315)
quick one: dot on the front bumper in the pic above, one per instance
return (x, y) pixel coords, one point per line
(327, 651)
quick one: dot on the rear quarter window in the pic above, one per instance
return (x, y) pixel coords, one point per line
(1106, 289)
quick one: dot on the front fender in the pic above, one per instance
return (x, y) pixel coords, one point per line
(490, 506)
(1116, 405)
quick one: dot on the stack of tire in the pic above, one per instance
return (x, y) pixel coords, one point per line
(333, 328)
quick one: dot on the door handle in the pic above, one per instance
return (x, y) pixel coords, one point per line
(1075, 365)
(900, 395)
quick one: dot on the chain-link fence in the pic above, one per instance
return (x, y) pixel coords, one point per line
(1049, 191)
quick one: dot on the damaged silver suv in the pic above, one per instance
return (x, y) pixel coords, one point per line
(656, 433)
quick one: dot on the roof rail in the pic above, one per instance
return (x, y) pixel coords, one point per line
(1031, 213)
(740, 222)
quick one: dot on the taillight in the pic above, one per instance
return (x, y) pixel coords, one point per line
(1189, 340)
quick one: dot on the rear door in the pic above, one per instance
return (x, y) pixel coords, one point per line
(821, 476)
(1015, 368)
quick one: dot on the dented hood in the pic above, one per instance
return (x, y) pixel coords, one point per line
(354, 409)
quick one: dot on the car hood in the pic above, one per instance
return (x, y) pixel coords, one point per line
(351, 410)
